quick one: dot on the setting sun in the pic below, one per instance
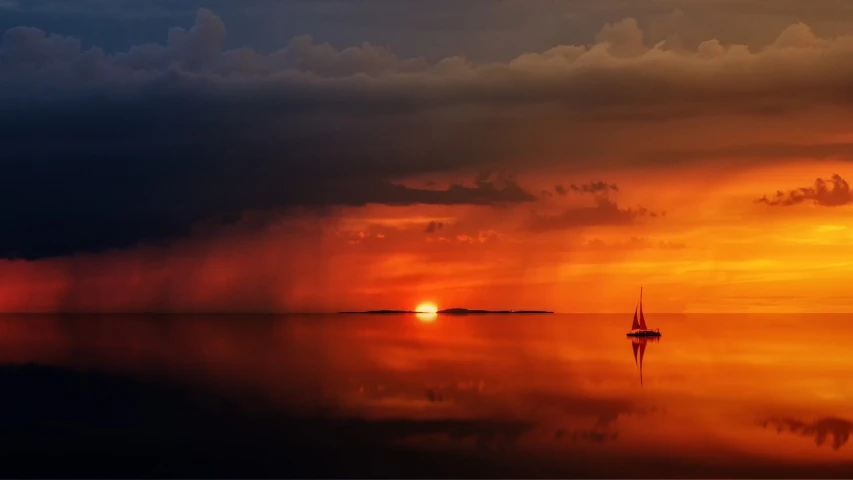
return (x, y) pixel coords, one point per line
(426, 312)
(426, 307)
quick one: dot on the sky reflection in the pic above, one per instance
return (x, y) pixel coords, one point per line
(547, 389)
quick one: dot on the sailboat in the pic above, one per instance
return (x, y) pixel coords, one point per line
(638, 327)
(638, 344)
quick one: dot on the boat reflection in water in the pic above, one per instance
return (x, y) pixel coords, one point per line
(396, 396)
(638, 326)
(638, 344)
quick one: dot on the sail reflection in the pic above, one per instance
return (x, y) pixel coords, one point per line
(638, 344)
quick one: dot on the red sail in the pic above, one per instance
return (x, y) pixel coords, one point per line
(635, 325)
(642, 319)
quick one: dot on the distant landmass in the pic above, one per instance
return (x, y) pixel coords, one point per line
(457, 311)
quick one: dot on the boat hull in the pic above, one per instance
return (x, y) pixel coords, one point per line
(643, 333)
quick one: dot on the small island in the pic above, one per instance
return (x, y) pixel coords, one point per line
(456, 311)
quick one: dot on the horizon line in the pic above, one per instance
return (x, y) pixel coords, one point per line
(400, 312)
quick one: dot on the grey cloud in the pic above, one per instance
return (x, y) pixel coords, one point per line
(605, 212)
(484, 30)
(594, 187)
(103, 167)
(833, 192)
(612, 69)
(107, 150)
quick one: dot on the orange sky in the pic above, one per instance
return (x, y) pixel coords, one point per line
(685, 142)
(714, 250)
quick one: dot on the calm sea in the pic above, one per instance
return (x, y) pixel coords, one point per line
(447, 396)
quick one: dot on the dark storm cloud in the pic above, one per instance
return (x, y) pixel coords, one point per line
(833, 192)
(305, 72)
(98, 174)
(483, 30)
(107, 150)
(96, 167)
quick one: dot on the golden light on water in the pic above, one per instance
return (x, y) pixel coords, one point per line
(426, 316)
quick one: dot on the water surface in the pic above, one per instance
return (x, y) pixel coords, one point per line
(403, 396)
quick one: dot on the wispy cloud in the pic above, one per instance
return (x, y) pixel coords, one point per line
(604, 212)
(833, 192)
(634, 243)
(591, 187)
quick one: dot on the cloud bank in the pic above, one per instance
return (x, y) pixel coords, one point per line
(109, 150)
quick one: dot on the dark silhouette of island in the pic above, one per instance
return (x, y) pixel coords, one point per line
(456, 311)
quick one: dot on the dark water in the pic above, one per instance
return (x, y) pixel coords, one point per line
(402, 396)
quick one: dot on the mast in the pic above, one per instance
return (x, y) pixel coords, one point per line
(642, 317)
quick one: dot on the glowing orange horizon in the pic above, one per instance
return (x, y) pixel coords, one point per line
(728, 255)
(426, 307)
